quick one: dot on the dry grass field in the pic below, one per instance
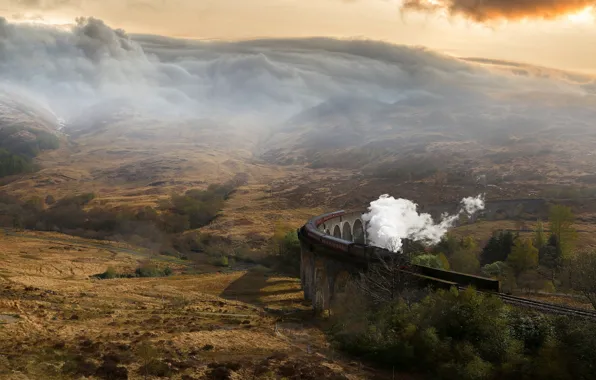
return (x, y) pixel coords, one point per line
(58, 322)
(483, 230)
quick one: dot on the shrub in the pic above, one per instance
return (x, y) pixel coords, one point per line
(110, 273)
(429, 260)
(151, 270)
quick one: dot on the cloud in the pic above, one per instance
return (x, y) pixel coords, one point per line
(487, 10)
(46, 4)
(266, 82)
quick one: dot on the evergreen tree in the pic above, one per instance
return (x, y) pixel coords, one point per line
(497, 248)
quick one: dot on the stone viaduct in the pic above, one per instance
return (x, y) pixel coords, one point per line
(329, 259)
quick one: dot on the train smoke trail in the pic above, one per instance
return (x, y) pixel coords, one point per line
(390, 220)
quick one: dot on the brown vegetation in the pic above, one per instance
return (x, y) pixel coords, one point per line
(59, 323)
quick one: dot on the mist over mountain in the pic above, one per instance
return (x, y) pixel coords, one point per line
(316, 92)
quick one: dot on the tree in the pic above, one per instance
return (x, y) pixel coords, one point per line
(444, 261)
(497, 269)
(448, 245)
(465, 261)
(583, 275)
(551, 259)
(561, 221)
(469, 243)
(429, 260)
(539, 237)
(497, 248)
(386, 281)
(523, 257)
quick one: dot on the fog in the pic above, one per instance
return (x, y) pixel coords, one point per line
(270, 81)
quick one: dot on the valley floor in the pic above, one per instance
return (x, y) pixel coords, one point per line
(57, 321)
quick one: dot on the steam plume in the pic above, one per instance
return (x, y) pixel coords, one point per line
(473, 204)
(390, 220)
(486, 10)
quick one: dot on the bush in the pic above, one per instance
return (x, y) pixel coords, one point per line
(110, 273)
(429, 260)
(151, 270)
(11, 164)
(221, 261)
(496, 269)
(157, 368)
(465, 335)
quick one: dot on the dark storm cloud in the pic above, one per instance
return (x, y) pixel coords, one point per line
(269, 81)
(487, 10)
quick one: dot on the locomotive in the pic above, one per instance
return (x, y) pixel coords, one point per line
(312, 236)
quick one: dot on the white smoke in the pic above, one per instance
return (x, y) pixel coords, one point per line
(391, 220)
(472, 205)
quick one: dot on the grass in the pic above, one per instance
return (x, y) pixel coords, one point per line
(483, 230)
(70, 324)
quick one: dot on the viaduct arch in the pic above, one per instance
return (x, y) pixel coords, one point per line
(327, 263)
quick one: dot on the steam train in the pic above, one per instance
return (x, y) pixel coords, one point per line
(311, 236)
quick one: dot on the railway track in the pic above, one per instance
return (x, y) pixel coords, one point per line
(543, 307)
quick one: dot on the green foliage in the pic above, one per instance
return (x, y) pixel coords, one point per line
(539, 236)
(561, 221)
(151, 270)
(11, 164)
(16, 151)
(583, 275)
(466, 335)
(451, 334)
(288, 251)
(195, 208)
(523, 257)
(465, 261)
(110, 273)
(430, 260)
(444, 261)
(458, 254)
(448, 245)
(550, 257)
(497, 269)
(221, 261)
(498, 248)
(12, 139)
(148, 227)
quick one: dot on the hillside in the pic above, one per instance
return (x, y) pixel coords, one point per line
(57, 322)
(26, 129)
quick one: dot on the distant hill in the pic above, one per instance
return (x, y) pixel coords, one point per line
(26, 129)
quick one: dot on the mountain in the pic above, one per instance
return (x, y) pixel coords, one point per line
(26, 129)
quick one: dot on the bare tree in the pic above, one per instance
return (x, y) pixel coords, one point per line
(386, 280)
(582, 275)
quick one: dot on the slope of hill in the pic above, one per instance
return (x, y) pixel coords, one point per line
(59, 322)
(26, 129)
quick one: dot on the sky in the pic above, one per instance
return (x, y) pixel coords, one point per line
(553, 33)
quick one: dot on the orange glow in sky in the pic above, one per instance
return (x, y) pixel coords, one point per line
(561, 43)
(585, 16)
